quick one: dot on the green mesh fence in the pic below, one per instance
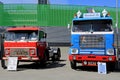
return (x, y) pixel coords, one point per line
(43, 15)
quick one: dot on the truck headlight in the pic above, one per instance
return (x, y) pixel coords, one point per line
(110, 52)
(74, 51)
(7, 51)
(32, 51)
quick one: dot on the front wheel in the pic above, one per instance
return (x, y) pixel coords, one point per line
(73, 64)
(111, 66)
(44, 60)
(3, 64)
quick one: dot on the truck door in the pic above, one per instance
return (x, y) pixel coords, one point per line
(41, 43)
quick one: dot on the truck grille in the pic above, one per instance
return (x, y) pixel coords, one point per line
(19, 52)
(92, 41)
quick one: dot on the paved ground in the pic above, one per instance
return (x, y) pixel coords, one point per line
(56, 71)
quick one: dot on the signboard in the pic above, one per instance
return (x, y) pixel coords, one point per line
(12, 63)
(102, 68)
(91, 15)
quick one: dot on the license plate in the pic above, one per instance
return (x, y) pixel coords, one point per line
(92, 63)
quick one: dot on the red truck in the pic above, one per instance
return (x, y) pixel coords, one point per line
(28, 44)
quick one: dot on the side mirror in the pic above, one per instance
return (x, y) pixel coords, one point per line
(69, 27)
(45, 35)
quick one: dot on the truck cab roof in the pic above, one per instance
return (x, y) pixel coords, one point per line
(33, 28)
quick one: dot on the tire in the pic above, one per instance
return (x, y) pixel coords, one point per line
(56, 56)
(3, 64)
(73, 64)
(59, 54)
(110, 66)
(44, 60)
(47, 54)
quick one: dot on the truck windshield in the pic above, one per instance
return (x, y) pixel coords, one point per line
(21, 36)
(92, 25)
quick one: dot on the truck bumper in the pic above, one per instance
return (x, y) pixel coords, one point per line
(85, 59)
(24, 58)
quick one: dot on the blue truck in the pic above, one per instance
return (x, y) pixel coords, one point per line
(92, 39)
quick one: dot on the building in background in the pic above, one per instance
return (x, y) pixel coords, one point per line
(42, 1)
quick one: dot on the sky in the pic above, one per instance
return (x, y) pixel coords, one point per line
(109, 3)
